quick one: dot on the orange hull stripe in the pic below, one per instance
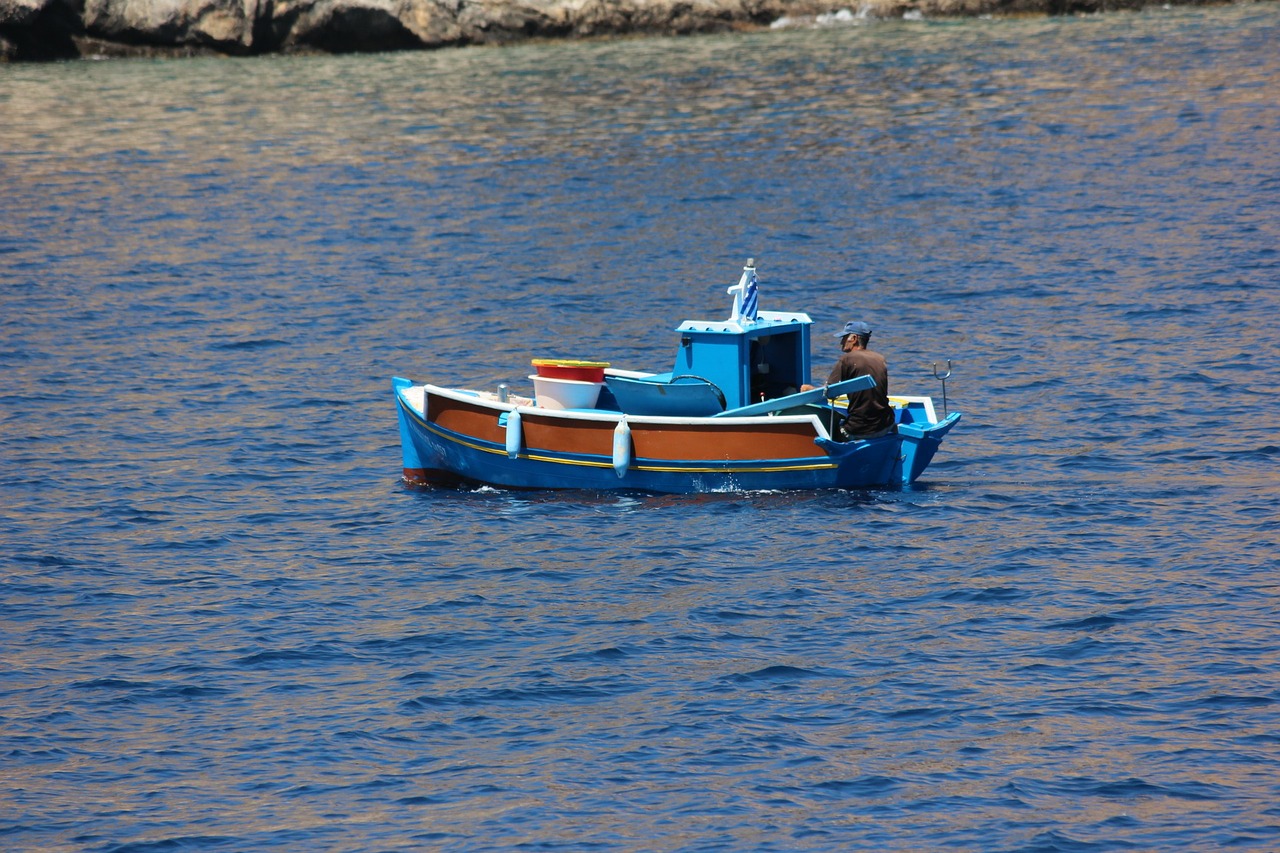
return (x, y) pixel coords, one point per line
(775, 447)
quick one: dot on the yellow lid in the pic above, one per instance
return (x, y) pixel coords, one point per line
(567, 362)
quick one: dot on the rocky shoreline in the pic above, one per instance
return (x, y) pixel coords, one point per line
(64, 29)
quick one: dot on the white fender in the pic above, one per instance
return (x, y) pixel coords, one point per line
(621, 447)
(514, 437)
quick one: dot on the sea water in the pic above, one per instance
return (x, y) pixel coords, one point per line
(227, 625)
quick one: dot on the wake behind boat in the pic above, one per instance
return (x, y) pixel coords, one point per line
(726, 417)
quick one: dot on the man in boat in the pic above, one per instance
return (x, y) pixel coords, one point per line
(870, 415)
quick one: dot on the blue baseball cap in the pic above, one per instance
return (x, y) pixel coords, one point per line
(855, 327)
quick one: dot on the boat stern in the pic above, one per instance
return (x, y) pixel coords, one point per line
(919, 443)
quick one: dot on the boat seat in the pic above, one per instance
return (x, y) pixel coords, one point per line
(685, 396)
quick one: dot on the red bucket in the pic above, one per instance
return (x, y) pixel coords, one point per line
(568, 368)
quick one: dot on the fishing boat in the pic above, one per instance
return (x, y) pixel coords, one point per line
(728, 416)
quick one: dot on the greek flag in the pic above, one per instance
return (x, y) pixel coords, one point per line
(751, 299)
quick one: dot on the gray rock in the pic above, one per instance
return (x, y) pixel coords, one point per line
(38, 28)
(43, 29)
(22, 13)
(220, 25)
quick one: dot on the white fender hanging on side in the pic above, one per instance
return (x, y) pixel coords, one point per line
(514, 438)
(621, 447)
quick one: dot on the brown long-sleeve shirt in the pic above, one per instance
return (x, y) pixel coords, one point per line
(869, 411)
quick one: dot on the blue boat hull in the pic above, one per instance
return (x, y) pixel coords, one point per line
(452, 437)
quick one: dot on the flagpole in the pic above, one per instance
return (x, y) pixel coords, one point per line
(751, 295)
(745, 295)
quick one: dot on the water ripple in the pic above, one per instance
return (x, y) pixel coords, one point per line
(229, 625)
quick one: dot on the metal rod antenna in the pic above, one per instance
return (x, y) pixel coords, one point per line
(943, 379)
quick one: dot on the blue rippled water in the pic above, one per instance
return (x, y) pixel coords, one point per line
(228, 626)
